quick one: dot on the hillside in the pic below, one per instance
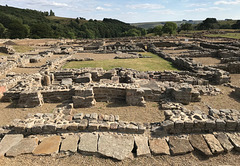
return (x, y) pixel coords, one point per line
(147, 25)
(22, 23)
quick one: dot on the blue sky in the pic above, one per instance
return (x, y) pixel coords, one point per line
(132, 11)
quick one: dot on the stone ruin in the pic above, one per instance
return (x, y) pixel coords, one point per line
(181, 132)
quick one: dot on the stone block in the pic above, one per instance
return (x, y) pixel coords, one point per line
(142, 146)
(114, 126)
(159, 146)
(224, 141)
(178, 126)
(179, 146)
(49, 128)
(168, 126)
(105, 126)
(72, 127)
(210, 125)
(88, 143)
(25, 146)
(83, 124)
(220, 125)
(69, 144)
(199, 143)
(235, 140)
(213, 144)
(8, 142)
(188, 126)
(115, 146)
(48, 146)
(231, 125)
(131, 128)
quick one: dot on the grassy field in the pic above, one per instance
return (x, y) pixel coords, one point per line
(227, 35)
(142, 64)
(22, 49)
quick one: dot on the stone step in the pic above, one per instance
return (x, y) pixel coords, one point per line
(8, 142)
(118, 146)
(48, 146)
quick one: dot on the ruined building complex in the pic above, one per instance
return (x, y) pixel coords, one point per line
(182, 131)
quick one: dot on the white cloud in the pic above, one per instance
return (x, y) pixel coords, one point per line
(107, 5)
(165, 12)
(99, 8)
(145, 6)
(206, 9)
(197, 5)
(227, 2)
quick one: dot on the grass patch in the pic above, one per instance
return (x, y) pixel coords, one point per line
(141, 64)
(22, 49)
(227, 35)
(3, 54)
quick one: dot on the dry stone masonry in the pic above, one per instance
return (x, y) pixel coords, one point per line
(64, 132)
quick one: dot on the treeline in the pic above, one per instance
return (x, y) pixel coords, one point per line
(25, 23)
(207, 24)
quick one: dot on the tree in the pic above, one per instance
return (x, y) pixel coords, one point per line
(133, 32)
(17, 30)
(208, 23)
(158, 30)
(2, 30)
(40, 30)
(52, 13)
(170, 27)
(186, 27)
(46, 13)
(236, 25)
(143, 32)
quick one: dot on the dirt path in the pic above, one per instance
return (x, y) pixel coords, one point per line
(150, 113)
(8, 114)
(232, 159)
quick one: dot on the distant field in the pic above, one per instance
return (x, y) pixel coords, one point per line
(142, 64)
(227, 35)
(22, 49)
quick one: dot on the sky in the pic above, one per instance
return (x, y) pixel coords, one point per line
(133, 11)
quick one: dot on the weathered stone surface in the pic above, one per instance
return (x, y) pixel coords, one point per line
(9, 141)
(179, 145)
(142, 146)
(115, 146)
(224, 141)
(48, 146)
(88, 143)
(235, 139)
(25, 146)
(213, 143)
(69, 144)
(159, 146)
(200, 144)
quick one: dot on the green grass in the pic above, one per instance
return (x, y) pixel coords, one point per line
(142, 64)
(227, 35)
(22, 49)
(3, 54)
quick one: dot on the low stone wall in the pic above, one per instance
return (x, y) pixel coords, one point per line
(213, 75)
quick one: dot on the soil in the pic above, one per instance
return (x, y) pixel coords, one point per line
(8, 112)
(150, 113)
(207, 60)
(235, 79)
(190, 159)
(226, 100)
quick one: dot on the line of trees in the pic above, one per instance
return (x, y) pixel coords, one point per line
(207, 24)
(22, 23)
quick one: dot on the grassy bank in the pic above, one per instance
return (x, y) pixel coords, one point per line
(142, 64)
